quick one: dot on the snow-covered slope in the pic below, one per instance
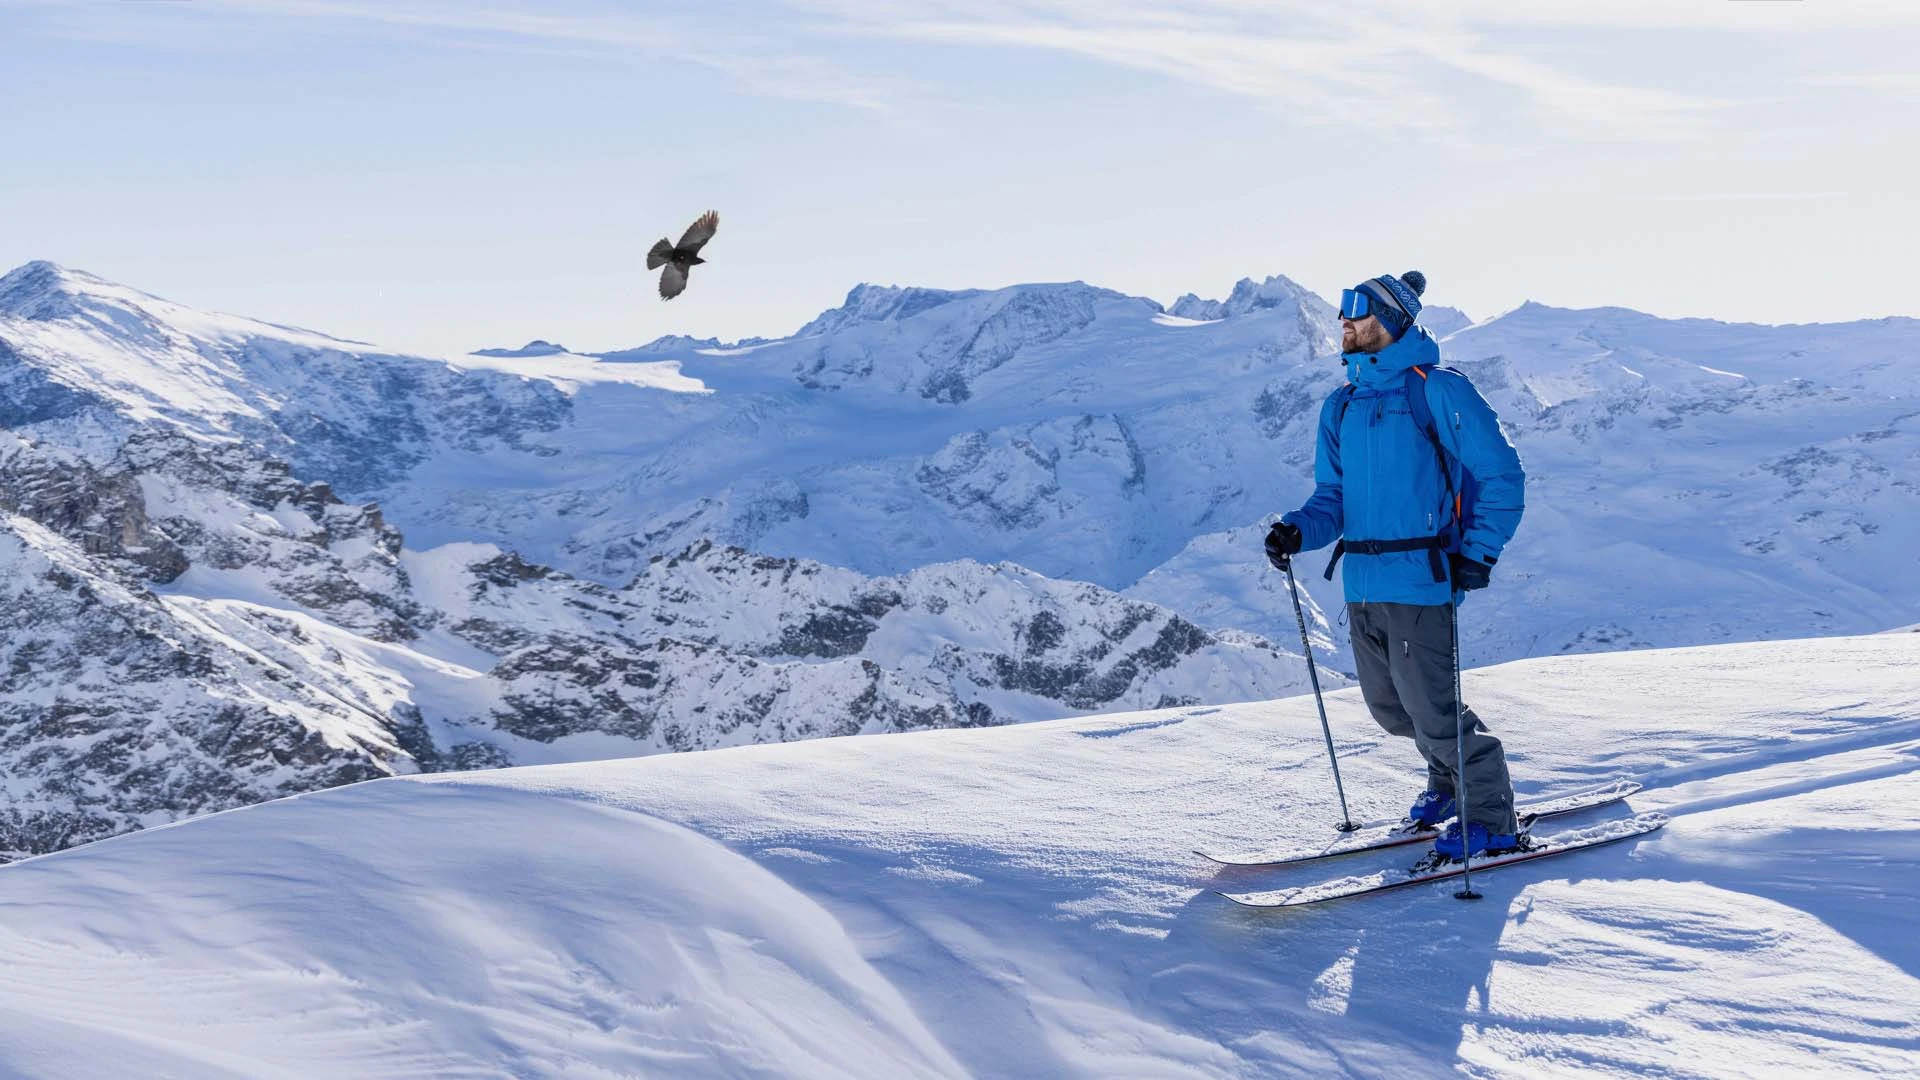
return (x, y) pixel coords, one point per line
(1022, 902)
(1047, 425)
(84, 361)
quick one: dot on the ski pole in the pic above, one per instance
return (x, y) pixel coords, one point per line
(1460, 766)
(1313, 674)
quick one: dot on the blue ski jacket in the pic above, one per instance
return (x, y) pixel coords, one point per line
(1376, 476)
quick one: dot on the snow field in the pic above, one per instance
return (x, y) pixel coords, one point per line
(1021, 902)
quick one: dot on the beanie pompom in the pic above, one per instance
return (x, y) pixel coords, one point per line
(1416, 281)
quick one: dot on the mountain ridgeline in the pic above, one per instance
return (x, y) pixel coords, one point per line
(248, 560)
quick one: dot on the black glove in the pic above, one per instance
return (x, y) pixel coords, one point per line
(1469, 575)
(1283, 542)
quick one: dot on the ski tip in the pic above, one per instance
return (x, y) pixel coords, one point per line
(1256, 901)
(1618, 787)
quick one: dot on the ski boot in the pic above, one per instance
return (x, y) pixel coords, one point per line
(1478, 841)
(1429, 810)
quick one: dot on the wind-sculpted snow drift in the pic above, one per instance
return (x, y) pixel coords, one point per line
(926, 509)
(1021, 901)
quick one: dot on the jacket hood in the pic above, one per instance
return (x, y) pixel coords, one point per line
(1389, 365)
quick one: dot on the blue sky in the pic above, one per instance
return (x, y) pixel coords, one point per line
(445, 176)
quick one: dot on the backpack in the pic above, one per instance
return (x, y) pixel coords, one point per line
(1462, 492)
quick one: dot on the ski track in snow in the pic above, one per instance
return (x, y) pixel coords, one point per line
(1021, 902)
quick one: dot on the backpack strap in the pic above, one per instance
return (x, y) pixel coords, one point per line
(1417, 378)
(1344, 396)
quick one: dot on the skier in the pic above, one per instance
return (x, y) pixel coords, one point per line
(1394, 490)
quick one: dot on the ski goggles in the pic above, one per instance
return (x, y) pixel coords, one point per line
(1355, 304)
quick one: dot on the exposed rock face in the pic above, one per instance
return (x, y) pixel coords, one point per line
(102, 511)
(231, 510)
(995, 642)
(678, 695)
(718, 646)
(117, 714)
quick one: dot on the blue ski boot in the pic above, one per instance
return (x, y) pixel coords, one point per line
(1478, 840)
(1430, 809)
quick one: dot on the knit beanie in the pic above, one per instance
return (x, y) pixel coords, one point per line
(1396, 299)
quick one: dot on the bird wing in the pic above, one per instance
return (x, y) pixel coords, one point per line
(700, 232)
(662, 252)
(673, 280)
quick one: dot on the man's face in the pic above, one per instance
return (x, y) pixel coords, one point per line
(1363, 335)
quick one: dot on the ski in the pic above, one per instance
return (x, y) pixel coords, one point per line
(1573, 840)
(1377, 835)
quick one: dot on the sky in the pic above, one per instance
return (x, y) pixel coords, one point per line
(445, 176)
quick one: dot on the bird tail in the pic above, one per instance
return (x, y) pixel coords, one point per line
(661, 254)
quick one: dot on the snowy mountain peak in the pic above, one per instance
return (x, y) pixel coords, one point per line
(1443, 320)
(662, 346)
(45, 292)
(939, 345)
(880, 303)
(894, 304)
(42, 290)
(1278, 291)
(536, 347)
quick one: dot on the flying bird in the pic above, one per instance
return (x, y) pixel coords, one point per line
(684, 256)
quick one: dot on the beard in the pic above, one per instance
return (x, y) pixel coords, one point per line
(1367, 336)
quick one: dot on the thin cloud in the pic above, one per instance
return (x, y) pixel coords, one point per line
(763, 67)
(1402, 66)
(1751, 196)
(1903, 83)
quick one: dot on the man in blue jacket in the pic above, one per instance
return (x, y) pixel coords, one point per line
(1393, 481)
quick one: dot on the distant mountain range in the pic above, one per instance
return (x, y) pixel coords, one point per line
(249, 560)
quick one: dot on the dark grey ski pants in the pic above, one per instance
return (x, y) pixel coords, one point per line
(1404, 654)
